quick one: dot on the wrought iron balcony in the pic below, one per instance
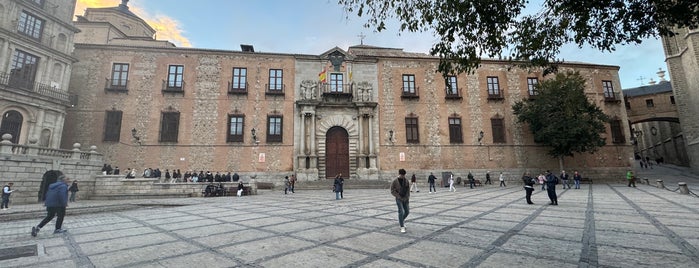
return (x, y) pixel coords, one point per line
(118, 86)
(15, 83)
(234, 89)
(275, 89)
(410, 93)
(452, 93)
(612, 97)
(173, 87)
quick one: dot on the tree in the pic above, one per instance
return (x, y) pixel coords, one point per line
(561, 116)
(471, 29)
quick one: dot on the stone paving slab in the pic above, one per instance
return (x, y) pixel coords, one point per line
(600, 225)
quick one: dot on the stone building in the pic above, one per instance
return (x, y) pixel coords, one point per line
(682, 58)
(653, 118)
(363, 112)
(36, 43)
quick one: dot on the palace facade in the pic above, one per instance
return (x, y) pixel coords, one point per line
(363, 112)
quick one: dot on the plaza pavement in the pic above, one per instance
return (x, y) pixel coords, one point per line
(600, 225)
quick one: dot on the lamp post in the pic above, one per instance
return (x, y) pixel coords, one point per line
(134, 134)
(480, 137)
(254, 137)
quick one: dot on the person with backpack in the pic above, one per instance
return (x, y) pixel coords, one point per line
(528, 187)
(400, 189)
(551, 182)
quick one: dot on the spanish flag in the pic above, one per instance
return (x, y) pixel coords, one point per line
(322, 76)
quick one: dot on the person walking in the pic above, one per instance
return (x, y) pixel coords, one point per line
(337, 186)
(287, 185)
(487, 178)
(576, 179)
(401, 191)
(413, 184)
(502, 180)
(631, 178)
(431, 180)
(56, 203)
(292, 180)
(528, 187)
(73, 189)
(564, 178)
(471, 180)
(6, 192)
(551, 182)
(451, 183)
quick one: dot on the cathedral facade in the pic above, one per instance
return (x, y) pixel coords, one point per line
(363, 112)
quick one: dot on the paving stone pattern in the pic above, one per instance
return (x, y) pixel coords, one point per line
(600, 225)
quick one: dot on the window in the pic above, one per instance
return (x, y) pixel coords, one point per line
(30, 25)
(275, 80)
(498, 127)
(336, 82)
(531, 86)
(169, 126)
(274, 128)
(412, 135)
(608, 90)
(649, 103)
(493, 87)
(112, 125)
(120, 76)
(23, 70)
(617, 134)
(455, 135)
(240, 80)
(672, 99)
(409, 85)
(452, 89)
(174, 77)
(236, 122)
(628, 105)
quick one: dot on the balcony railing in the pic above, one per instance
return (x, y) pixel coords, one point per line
(495, 96)
(274, 89)
(116, 86)
(410, 93)
(336, 89)
(14, 83)
(452, 93)
(612, 97)
(169, 87)
(234, 89)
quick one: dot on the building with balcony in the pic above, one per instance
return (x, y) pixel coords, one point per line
(655, 128)
(36, 43)
(363, 112)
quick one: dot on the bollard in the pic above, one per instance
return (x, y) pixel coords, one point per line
(660, 184)
(683, 188)
(647, 183)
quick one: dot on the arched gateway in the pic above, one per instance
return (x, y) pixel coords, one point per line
(337, 152)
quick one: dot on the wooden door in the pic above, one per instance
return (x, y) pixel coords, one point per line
(336, 153)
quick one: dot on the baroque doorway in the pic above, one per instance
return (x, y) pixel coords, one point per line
(337, 153)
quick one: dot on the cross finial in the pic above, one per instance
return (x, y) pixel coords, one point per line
(361, 38)
(641, 78)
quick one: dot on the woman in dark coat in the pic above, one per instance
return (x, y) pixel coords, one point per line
(337, 186)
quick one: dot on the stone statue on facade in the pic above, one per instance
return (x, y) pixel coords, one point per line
(308, 89)
(364, 91)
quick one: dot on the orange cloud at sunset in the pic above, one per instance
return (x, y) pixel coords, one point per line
(167, 28)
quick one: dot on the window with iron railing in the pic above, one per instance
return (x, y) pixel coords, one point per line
(239, 85)
(452, 88)
(493, 84)
(409, 89)
(120, 77)
(175, 76)
(276, 82)
(23, 69)
(609, 94)
(336, 85)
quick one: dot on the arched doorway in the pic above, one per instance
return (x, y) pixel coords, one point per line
(12, 124)
(336, 152)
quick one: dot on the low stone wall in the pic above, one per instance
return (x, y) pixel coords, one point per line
(118, 187)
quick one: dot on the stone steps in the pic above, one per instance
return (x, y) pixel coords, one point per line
(348, 184)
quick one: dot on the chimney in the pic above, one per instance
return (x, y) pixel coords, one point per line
(247, 48)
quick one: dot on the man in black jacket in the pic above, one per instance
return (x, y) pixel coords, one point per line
(400, 189)
(551, 182)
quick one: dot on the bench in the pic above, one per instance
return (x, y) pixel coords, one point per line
(586, 180)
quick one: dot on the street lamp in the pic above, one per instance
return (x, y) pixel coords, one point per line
(254, 137)
(390, 135)
(480, 136)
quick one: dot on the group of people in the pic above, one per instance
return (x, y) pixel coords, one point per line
(289, 184)
(108, 170)
(189, 176)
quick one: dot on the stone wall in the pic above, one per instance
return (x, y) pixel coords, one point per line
(26, 165)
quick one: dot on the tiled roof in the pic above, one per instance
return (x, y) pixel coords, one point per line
(661, 87)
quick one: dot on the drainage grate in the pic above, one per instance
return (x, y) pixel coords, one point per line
(18, 252)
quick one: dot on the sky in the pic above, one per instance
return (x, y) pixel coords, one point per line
(316, 26)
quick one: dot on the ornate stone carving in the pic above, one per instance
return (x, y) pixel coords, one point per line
(364, 91)
(308, 89)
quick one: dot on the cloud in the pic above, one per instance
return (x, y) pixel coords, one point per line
(166, 27)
